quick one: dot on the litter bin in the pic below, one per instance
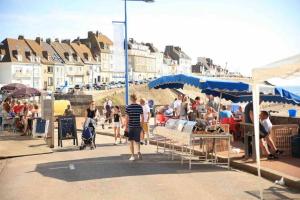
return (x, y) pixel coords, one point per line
(292, 112)
(296, 146)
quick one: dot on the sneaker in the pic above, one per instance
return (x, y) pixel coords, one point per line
(115, 143)
(271, 157)
(140, 156)
(146, 142)
(279, 152)
(120, 142)
(141, 143)
(132, 158)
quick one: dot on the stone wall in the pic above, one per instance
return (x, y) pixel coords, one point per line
(276, 120)
(79, 102)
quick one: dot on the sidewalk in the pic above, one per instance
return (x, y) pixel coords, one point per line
(14, 145)
(286, 167)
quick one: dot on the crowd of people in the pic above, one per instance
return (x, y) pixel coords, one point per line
(208, 112)
(187, 108)
(19, 115)
(135, 122)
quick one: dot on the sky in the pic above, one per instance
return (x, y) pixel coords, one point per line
(244, 34)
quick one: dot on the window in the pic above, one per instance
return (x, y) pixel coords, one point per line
(50, 81)
(101, 45)
(19, 58)
(50, 69)
(38, 59)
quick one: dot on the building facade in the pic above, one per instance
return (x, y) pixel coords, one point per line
(19, 63)
(141, 62)
(92, 64)
(101, 48)
(206, 67)
(74, 69)
(184, 62)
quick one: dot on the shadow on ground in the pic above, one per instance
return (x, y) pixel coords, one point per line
(117, 166)
(274, 193)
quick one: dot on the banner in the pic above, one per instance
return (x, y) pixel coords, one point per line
(118, 52)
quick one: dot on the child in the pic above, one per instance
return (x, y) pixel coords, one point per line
(117, 124)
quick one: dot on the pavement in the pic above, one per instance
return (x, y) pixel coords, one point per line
(106, 173)
(14, 145)
(286, 167)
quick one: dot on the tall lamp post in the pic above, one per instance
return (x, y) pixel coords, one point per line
(126, 50)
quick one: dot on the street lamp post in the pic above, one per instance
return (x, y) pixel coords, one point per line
(126, 50)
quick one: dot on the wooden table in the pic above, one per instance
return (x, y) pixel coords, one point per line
(213, 159)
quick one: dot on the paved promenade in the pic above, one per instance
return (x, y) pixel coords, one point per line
(106, 173)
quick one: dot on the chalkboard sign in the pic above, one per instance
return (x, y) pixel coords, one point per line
(67, 129)
(39, 127)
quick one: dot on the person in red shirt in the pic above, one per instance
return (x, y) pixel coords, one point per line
(17, 108)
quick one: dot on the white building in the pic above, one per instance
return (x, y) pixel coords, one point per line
(141, 62)
(184, 62)
(19, 64)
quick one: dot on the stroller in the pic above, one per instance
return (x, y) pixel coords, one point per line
(88, 134)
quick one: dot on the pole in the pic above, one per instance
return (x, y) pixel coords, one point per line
(126, 57)
(33, 75)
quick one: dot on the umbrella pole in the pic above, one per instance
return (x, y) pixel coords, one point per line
(256, 110)
(218, 116)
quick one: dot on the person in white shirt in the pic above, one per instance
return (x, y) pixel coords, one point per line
(266, 139)
(177, 105)
(145, 124)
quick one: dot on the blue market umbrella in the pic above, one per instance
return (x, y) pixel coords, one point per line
(279, 95)
(179, 80)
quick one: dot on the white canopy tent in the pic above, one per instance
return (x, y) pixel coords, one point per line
(288, 68)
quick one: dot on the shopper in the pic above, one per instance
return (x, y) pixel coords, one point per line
(134, 118)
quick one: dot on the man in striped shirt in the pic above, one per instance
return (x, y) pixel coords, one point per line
(134, 119)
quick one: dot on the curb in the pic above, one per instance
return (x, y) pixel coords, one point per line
(266, 173)
(34, 154)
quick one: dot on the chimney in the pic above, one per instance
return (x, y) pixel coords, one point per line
(21, 37)
(90, 34)
(48, 40)
(78, 40)
(66, 41)
(97, 33)
(38, 40)
(56, 40)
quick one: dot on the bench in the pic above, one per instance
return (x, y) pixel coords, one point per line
(179, 133)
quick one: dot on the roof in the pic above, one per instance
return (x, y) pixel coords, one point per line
(64, 50)
(104, 39)
(53, 56)
(152, 48)
(84, 52)
(14, 46)
(38, 50)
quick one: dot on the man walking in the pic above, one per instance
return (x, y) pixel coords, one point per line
(145, 124)
(134, 119)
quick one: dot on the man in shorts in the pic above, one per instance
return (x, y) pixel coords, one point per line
(134, 119)
(145, 124)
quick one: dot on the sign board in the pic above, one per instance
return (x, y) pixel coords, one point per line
(67, 129)
(40, 127)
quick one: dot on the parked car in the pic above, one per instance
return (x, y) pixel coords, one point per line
(58, 90)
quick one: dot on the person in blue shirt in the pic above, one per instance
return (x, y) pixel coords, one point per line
(225, 113)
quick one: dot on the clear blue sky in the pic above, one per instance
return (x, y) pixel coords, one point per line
(244, 33)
